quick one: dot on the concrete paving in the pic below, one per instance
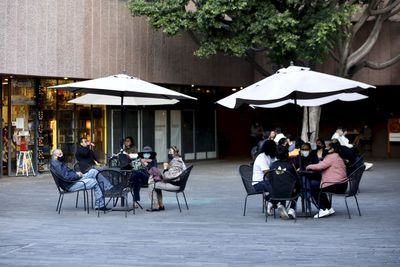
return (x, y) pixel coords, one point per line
(212, 233)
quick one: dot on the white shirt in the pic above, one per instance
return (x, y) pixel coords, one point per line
(261, 164)
(342, 140)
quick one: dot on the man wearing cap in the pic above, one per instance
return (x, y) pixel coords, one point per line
(140, 175)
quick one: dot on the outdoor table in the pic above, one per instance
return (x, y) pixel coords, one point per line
(126, 173)
(305, 177)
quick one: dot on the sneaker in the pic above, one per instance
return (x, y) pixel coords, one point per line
(331, 211)
(368, 165)
(282, 212)
(291, 213)
(321, 213)
(270, 208)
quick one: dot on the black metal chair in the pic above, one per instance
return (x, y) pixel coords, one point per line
(62, 190)
(77, 168)
(120, 188)
(246, 172)
(183, 178)
(283, 185)
(353, 181)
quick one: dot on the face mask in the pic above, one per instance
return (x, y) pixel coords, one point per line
(62, 158)
(146, 155)
(170, 157)
(305, 153)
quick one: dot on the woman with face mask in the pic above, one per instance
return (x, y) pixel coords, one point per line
(307, 156)
(333, 172)
(320, 150)
(170, 181)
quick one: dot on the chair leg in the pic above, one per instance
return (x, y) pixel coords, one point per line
(177, 200)
(87, 201)
(245, 204)
(77, 197)
(264, 207)
(347, 207)
(126, 206)
(84, 200)
(184, 197)
(266, 211)
(58, 203)
(59, 208)
(92, 193)
(358, 207)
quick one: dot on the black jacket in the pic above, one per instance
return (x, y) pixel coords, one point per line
(85, 157)
(67, 175)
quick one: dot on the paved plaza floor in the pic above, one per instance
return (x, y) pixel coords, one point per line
(213, 232)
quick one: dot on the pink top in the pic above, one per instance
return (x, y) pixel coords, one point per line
(332, 169)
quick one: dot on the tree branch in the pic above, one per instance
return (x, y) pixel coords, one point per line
(363, 18)
(394, 11)
(386, 9)
(333, 55)
(386, 64)
(364, 49)
(250, 58)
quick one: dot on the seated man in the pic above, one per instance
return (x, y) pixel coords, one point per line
(58, 166)
(85, 155)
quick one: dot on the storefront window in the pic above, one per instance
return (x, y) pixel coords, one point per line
(47, 123)
(23, 116)
(66, 135)
(4, 112)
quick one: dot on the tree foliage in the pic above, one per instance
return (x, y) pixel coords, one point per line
(284, 30)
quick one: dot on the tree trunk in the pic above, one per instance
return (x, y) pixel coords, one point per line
(310, 129)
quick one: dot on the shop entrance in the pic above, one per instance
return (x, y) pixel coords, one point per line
(18, 124)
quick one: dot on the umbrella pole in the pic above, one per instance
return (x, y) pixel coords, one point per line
(122, 121)
(308, 124)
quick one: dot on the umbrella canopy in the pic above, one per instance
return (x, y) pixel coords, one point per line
(122, 85)
(296, 83)
(316, 101)
(93, 99)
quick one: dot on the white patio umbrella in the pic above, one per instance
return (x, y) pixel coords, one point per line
(347, 97)
(109, 100)
(121, 86)
(296, 83)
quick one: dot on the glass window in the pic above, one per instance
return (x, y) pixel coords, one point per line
(47, 128)
(23, 118)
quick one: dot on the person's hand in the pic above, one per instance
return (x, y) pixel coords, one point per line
(91, 144)
(79, 174)
(166, 165)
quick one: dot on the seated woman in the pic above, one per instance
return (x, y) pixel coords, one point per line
(282, 163)
(306, 157)
(169, 181)
(129, 145)
(333, 179)
(261, 166)
(140, 171)
(320, 151)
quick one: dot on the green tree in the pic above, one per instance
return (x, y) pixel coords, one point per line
(283, 30)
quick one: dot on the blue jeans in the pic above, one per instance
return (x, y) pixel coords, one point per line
(89, 179)
(263, 186)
